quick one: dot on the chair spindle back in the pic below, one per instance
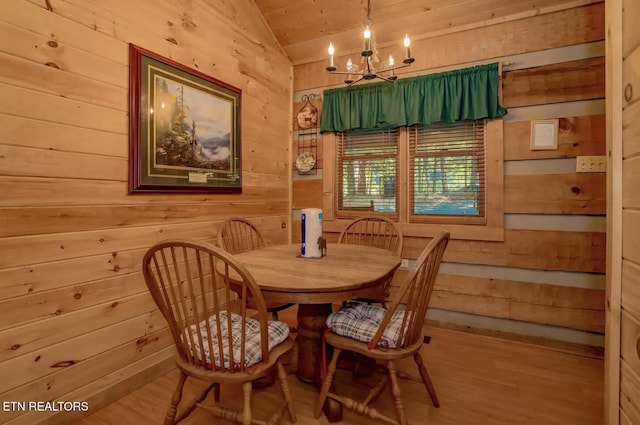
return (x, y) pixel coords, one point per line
(415, 293)
(379, 232)
(190, 283)
(237, 235)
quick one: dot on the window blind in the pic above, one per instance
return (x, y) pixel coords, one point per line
(447, 172)
(367, 168)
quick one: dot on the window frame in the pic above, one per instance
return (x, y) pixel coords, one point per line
(491, 230)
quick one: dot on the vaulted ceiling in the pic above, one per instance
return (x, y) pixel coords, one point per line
(304, 28)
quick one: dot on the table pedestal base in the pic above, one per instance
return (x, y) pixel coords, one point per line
(311, 326)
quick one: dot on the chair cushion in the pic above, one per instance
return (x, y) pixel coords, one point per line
(361, 322)
(278, 332)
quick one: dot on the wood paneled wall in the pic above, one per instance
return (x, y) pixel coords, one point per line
(546, 278)
(623, 362)
(76, 320)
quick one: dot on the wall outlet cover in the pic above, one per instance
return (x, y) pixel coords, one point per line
(591, 164)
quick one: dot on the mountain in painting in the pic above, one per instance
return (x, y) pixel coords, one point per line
(216, 148)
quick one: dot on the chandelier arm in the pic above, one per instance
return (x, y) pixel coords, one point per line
(389, 79)
(368, 70)
(394, 68)
(347, 72)
(353, 82)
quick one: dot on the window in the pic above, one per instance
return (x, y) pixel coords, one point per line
(447, 173)
(367, 171)
(424, 177)
(435, 175)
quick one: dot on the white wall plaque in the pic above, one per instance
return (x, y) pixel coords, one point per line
(544, 135)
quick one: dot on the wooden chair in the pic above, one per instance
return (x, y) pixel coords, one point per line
(237, 235)
(376, 231)
(396, 336)
(215, 339)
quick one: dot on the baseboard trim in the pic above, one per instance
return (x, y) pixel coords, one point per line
(552, 344)
(111, 393)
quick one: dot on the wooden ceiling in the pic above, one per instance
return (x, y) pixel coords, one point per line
(304, 28)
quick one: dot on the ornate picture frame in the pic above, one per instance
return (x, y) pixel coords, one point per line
(184, 128)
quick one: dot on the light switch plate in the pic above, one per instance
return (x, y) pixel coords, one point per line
(591, 164)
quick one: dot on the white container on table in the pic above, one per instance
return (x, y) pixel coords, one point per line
(311, 221)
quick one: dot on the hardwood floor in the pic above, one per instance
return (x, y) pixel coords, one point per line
(480, 380)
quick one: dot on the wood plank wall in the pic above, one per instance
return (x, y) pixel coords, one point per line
(547, 277)
(76, 321)
(629, 362)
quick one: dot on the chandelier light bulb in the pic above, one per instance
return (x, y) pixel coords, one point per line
(330, 54)
(349, 64)
(367, 39)
(331, 66)
(407, 52)
(391, 61)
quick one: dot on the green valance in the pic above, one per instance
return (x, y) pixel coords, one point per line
(464, 94)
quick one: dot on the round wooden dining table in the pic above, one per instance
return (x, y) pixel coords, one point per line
(345, 272)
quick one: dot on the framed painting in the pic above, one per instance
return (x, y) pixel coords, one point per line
(184, 128)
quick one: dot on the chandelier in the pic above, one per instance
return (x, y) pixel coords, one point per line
(368, 71)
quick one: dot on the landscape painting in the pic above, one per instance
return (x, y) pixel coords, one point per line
(185, 133)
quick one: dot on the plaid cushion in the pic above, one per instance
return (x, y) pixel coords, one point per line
(278, 332)
(361, 322)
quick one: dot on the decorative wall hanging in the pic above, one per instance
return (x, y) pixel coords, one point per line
(184, 128)
(307, 137)
(544, 135)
